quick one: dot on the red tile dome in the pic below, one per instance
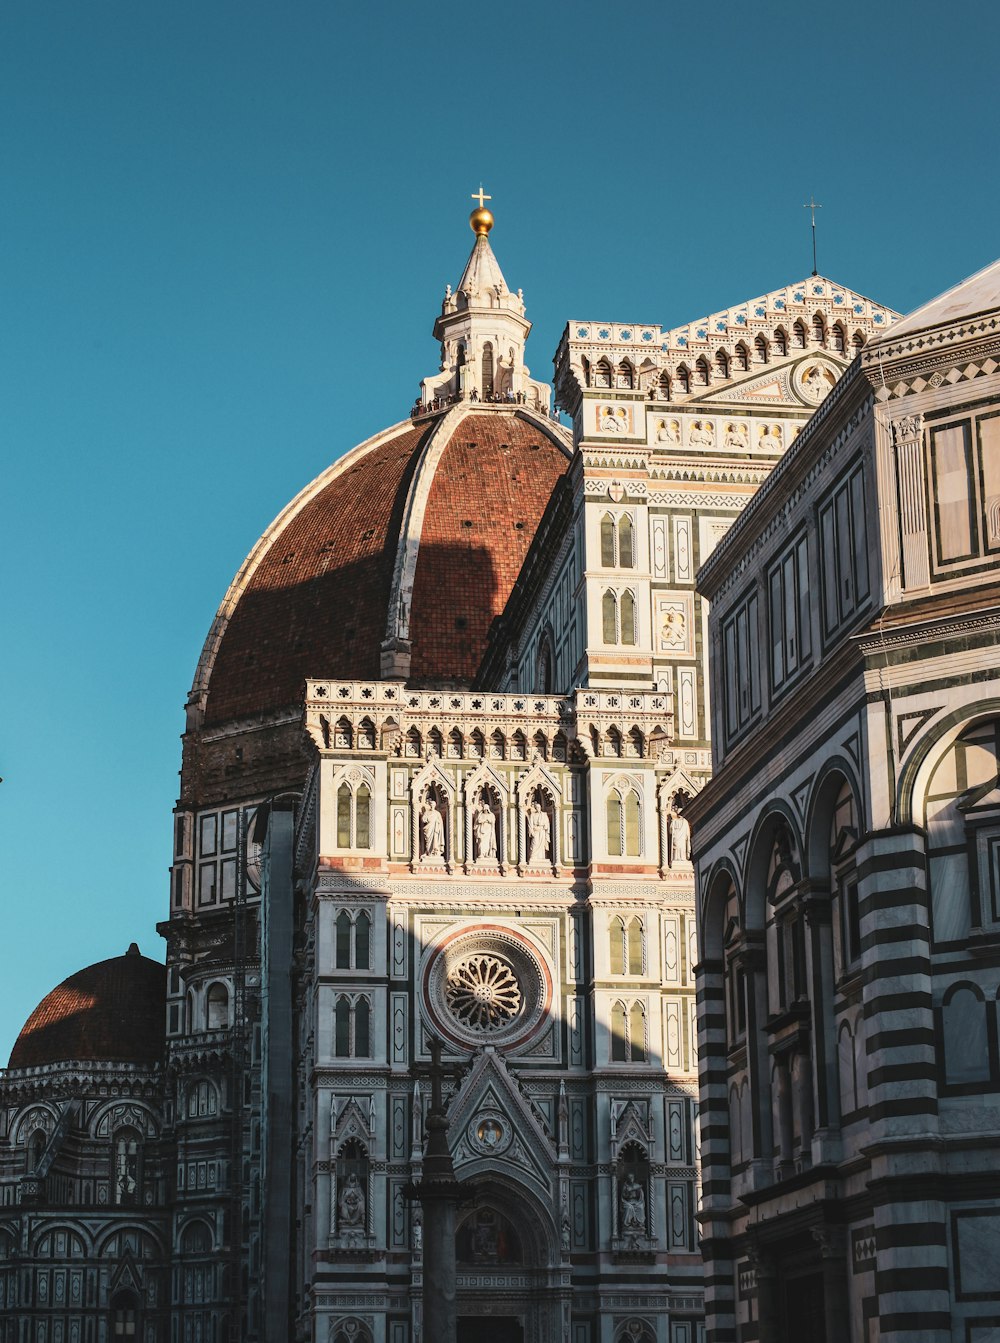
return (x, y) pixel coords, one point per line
(436, 516)
(111, 1012)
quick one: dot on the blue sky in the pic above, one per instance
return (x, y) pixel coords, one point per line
(225, 230)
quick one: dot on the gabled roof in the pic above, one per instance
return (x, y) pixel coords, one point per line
(978, 294)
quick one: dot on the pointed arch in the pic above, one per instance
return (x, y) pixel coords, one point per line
(626, 542)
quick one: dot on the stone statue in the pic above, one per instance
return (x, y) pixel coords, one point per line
(352, 1206)
(680, 839)
(564, 1233)
(432, 829)
(633, 1208)
(418, 1235)
(484, 829)
(538, 835)
(702, 435)
(735, 437)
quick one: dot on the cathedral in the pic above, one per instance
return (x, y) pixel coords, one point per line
(443, 746)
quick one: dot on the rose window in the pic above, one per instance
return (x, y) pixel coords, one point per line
(487, 981)
(483, 993)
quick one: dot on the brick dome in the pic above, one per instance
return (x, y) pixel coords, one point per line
(111, 1012)
(418, 533)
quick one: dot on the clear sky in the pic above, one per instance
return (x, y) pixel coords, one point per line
(225, 231)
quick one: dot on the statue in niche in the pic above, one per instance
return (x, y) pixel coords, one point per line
(432, 829)
(680, 838)
(633, 1208)
(539, 835)
(484, 831)
(418, 1234)
(352, 1205)
(817, 383)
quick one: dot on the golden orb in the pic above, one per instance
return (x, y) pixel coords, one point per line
(480, 221)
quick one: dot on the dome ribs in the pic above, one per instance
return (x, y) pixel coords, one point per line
(497, 471)
(318, 599)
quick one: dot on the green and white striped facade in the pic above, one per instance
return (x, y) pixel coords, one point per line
(846, 852)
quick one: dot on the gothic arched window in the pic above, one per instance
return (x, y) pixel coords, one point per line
(618, 946)
(127, 1148)
(217, 1008)
(819, 329)
(609, 617)
(634, 937)
(626, 543)
(487, 388)
(624, 822)
(352, 941)
(704, 373)
(799, 334)
(761, 350)
(628, 618)
(352, 1028)
(608, 541)
(780, 341)
(354, 816)
(722, 364)
(742, 356)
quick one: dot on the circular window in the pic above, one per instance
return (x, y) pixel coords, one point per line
(486, 984)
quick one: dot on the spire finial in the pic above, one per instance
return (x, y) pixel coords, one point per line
(812, 205)
(481, 221)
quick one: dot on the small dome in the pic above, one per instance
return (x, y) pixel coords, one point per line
(111, 1012)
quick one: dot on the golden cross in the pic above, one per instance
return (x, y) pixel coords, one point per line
(480, 197)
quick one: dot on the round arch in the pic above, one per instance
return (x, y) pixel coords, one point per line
(934, 741)
(721, 879)
(833, 774)
(776, 815)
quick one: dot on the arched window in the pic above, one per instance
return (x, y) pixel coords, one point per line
(634, 938)
(761, 350)
(684, 378)
(742, 356)
(618, 946)
(857, 341)
(217, 1004)
(477, 745)
(608, 541)
(202, 1100)
(487, 387)
(633, 838)
(354, 816)
(634, 743)
(455, 744)
(615, 826)
(412, 744)
(780, 341)
(799, 335)
(964, 1037)
(628, 618)
(366, 734)
(625, 376)
(637, 1033)
(362, 1029)
(722, 364)
(626, 542)
(518, 746)
(342, 953)
(196, 1238)
(352, 1028)
(435, 742)
(352, 941)
(664, 386)
(362, 942)
(602, 373)
(624, 823)
(127, 1146)
(342, 1028)
(619, 1034)
(614, 740)
(703, 373)
(541, 745)
(839, 337)
(498, 745)
(628, 1033)
(818, 329)
(609, 617)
